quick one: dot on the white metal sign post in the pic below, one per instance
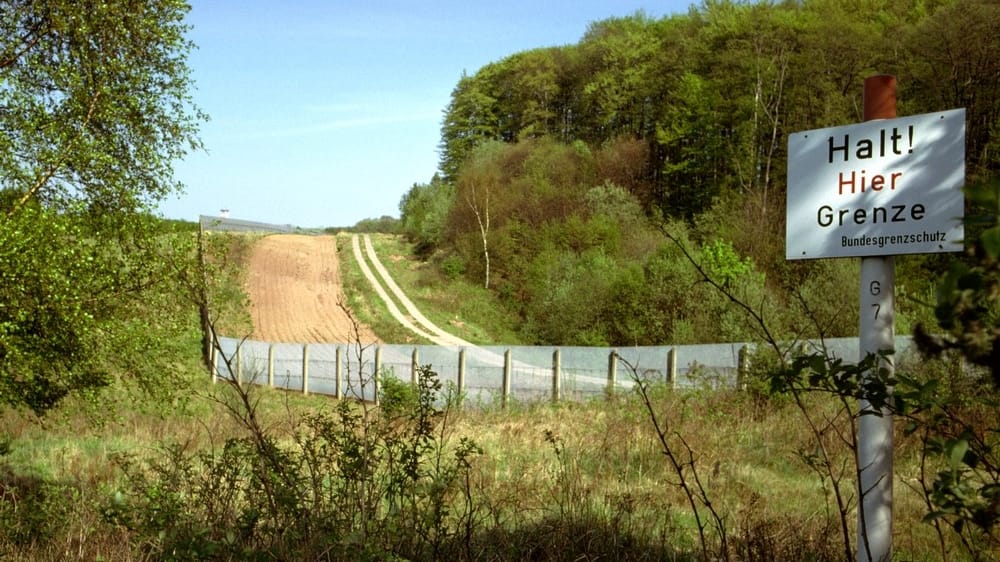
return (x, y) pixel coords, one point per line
(877, 331)
(873, 190)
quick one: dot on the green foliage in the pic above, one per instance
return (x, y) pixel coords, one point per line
(567, 294)
(961, 493)
(47, 327)
(575, 148)
(818, 372)
(697, 105)
(957, 423)
(395, 396)
(723, 264)
(31, 509)
(349, 483)
(452, 267)
(823, 299)
(968, 297)
(95, 109)
(614, 203)
(951, 412)
(382, 225)
(94, 116)
(78, 304)
(691, 146)
(950, 415)
(951, 59)
(423, 212)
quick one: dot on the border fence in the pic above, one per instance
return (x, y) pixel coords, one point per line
(226, 224)
(494, 374)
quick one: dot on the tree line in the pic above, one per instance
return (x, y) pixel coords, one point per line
(565, 170)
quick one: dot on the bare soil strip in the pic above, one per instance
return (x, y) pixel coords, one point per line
(294, 287)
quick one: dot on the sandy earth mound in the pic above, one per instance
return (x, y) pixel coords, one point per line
(294, 289)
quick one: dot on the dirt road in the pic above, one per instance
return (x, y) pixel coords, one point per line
(413, 320)
(294, 288)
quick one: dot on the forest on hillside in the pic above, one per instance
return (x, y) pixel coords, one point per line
(580, 183)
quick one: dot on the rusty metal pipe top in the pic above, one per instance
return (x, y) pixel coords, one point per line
(879, 97)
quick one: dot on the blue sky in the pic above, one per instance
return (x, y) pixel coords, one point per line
(324, 113)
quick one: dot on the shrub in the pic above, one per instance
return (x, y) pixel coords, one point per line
(348, 483)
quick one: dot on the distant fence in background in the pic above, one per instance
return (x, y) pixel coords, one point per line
(226, 224)
(493, 374)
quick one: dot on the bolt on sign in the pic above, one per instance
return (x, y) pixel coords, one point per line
(877, 188)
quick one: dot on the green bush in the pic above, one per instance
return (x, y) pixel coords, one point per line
(32, 509)
(453, 267)
(350, 483)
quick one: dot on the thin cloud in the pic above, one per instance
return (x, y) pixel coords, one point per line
(339, 108)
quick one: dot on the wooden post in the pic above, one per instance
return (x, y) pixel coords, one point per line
(414, 364)
(338, 373)
(877, 317)
(461, 374)
(270, 366)
(556, 375)
(505, 391)
(612, 372)
(672, 368)
(305, 369)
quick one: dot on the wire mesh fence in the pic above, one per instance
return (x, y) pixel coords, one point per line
(495, 374)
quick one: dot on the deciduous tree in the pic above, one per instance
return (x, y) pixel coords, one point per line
(94, 108)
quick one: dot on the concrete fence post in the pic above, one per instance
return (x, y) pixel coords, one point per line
(305, 369)
(270, 365)
(742, 367)
(612, 372)
(338, 374)
(556, 375)
(672, 368)
(461, 374)
(239, 365)
(505, 391)
(376, 374)
(414, 365)
(215, 364)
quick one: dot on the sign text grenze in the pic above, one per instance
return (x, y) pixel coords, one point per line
(877, 188)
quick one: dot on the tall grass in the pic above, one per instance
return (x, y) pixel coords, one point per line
(550, 482)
